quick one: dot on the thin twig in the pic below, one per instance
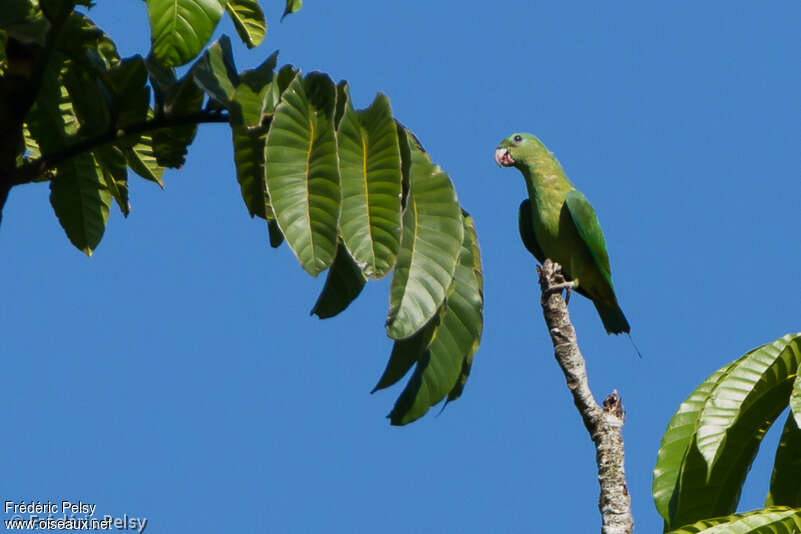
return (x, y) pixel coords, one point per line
(604, 423)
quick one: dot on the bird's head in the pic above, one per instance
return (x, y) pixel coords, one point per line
(518, 148)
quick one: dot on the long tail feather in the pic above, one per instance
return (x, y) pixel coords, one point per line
(614, 320)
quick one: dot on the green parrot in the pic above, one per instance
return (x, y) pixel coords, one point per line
(557, 222)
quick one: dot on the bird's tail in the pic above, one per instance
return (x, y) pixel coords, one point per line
(612, 317)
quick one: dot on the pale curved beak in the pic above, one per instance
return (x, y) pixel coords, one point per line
(503, 158)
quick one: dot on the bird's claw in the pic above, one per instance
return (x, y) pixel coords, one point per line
(552, 272)
(556, 288)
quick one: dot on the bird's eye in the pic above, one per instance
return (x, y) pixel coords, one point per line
(518, 138)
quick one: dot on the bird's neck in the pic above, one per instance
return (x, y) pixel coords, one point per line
(546, 181)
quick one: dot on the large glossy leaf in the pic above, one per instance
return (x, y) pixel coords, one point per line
(776, 520)
(476, 289)
(430, 243)
(701, 493)
(676, 443)
(457, 338)
(81, 201)
(730, 408)
(302, 171)
(342, 285)
(248, 20)
(181, 28)
(785, 481)
(369, 162)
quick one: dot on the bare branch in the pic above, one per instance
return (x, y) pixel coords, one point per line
(605, 424)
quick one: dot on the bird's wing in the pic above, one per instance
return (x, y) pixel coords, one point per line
(527, 230)
(586, 223)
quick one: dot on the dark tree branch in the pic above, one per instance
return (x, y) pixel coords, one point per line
(28, 172)
(18, 90)
(605, 423)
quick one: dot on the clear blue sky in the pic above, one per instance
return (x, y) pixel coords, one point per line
(177, 374)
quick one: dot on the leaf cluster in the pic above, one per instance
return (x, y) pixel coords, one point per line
(713, 437)
(350, 191)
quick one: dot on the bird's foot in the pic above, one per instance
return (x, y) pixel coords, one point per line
(553, 281)
(556, 288)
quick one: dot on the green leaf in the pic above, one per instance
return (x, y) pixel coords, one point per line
(476, 289)
(3, 41)
(430, 243)
(130, 101)
(112, 165)
(276, 237)
(785, 481)
(30, 143)
(256, 95)
(701, 495)
(181, 28)
(753, 388)
(407, 352)
(369, 162)
(170, 144)
(161, 78)
(53, 8)
(52, 121)
(676, 442)
(286, 75)
(249, 159)
(24, 21)
(302, 173)
(248, 20)
(343, 101)
(89, 99)
(292, 6)
(85, 43)
(456, 340)
(776, 520)
(81, 201)
(342, 285)
(215, 72)
(767, 373)
(143, 162)
(404, 137)
(795, 397)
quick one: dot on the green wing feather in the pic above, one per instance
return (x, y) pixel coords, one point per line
(527, 231)
(589, 230)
